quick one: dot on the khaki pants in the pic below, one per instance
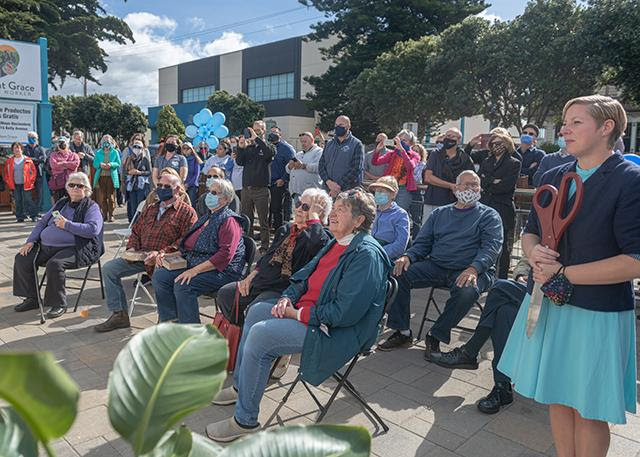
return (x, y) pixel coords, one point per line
(257, 199)
(105, 196)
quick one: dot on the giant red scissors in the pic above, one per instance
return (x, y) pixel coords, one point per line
(553, 225)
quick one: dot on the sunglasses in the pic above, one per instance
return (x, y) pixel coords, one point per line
(304, 206)
(137, 147)
(215, 176)
(74, 185)
(164, 186)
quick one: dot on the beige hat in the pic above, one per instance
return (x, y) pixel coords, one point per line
(387, 183)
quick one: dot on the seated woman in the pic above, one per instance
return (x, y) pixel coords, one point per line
(391, 225)
(329, 313)
(201, 205)
(293, 247)
(70, 238)
(214, 252)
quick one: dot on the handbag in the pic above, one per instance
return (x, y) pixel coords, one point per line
(230, 331)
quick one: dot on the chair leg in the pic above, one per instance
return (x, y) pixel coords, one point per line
(341, 380)
(84, 283)
(122, 240)
(135, 294)
(424, 316)
(100, 274)
(283, 401)
(39, 286)
(352, 390)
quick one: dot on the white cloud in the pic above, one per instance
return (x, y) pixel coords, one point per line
(132, 72)
(489, 16)
(197, 23)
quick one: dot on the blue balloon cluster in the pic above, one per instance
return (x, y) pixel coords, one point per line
(209, 127)
(633, 158)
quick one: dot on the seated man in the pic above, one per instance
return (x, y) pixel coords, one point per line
(497, 318)
(160, 225)
(456, 248)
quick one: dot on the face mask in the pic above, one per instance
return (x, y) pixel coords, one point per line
(170, 147)
(273, 137)
(448, 143)
(62, 145)
(211, 200)
(405, 146)
(562, 143)
(233, 145)
(137, 151)
(526, 139)
(467, 197)
(210, 181)
(31, 140)
(203, 151)
(382, 198)
(164, 194)
(106, 145)
(340, 130)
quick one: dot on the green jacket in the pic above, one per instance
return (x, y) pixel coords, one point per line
(351, 303)
(114, 162)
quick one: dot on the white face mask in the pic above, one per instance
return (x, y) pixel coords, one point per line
(467, 197)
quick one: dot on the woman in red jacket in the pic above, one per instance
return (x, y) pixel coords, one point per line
(20, 176)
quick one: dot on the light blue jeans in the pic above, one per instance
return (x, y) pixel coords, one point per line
(264, 339)
(112, 273)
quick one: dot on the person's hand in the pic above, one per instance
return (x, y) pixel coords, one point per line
(159, 259)
(278, 310)
(476, 140)
(25, 249)
(333, 193)
(293, 165)
(186, 276)
(81, 155)
(452, 186)
(242, 142)
(317, 206)
(60, 222)
(541, 254)
(279, 182)
(150, 258)
(397, 143)
(245, 285)
(468, 278)
(533, 165)
(402, 265)
(542, 272)
(522, 279)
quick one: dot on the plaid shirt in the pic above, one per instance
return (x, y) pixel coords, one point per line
(150, 234)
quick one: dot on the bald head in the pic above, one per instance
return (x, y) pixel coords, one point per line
(342, 126)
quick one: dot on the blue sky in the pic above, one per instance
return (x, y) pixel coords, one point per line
(168, 32)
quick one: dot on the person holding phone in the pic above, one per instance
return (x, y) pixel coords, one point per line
(303, 168)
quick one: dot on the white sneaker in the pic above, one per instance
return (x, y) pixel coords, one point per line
(226, 397)
(282, 365)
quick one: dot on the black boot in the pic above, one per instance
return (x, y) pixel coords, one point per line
(56, 311)
(458, 358)
(395, 341)
(500, 395)
(26, 305)
(432, 349)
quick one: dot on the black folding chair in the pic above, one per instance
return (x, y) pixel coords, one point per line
(342, 378)
(84, 279)
(432, 300)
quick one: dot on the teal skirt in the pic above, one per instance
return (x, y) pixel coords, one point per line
(576, 357)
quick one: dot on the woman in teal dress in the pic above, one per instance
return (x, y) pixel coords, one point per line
(580, 359)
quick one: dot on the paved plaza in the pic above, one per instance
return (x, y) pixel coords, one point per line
(430, 410)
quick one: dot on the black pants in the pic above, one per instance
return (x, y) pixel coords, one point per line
(56, 261)
(280, 210)
(499, 314)
(504, 261)
(226, 296)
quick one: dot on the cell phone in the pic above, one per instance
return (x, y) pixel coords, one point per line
(247, 133)
(389, 143)
(295, 160)
(55, 214)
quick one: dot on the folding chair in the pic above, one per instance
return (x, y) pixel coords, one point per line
(432, 300)
(124, 234)
(134, 299)
(342, 378)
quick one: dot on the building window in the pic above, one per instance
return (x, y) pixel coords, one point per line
(197, 94)
(275, 87)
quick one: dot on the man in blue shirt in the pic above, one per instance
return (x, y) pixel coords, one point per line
(530, 154)
(342, 163)
(456, 248)
(280, 209)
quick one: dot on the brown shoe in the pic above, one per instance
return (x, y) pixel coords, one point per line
(119, 319)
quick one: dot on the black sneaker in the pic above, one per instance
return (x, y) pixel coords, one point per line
(395, 341)
(27, 305)
(432, 349)
(56, 311)
(500, 395)
(458, 358)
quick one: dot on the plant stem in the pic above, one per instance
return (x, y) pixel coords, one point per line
(47, 447)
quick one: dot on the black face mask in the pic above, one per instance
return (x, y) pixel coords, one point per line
(273, 137)
(448, 143)
(170, 147)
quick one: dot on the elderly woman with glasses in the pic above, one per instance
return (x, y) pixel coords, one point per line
(329, 313)
(68, 236)
(215, 255)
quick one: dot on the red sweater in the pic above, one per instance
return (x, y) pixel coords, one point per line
(316, 280)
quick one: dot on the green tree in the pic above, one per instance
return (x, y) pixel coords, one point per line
(364, 30)
(131, 120)
(169, 123)
(239, 110)
(61, 116)
(74, 30)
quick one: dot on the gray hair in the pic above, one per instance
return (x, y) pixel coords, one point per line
(78, 132)
(467, 172)
(361, 203)
(80, 176)
(32, 134)
(108, 138)
(327, 203)
(408, 134)
(225, 189)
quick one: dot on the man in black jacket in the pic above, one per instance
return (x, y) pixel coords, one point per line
(84, 151)
(39, 157)
(255, 155)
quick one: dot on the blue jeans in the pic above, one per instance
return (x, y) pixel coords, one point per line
(192, 191)
(180, 301)
(24, 203)
(112, 273)
(264, 339)
(133, 200)
(427, 273)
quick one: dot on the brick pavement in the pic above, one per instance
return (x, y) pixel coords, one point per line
(431, 411)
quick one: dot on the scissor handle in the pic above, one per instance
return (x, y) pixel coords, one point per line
(560, 223)
(546, 214)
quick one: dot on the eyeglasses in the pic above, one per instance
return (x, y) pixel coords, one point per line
(137, 147)
(215, 176)
(75, 185)
(164, 186)
(304, 206)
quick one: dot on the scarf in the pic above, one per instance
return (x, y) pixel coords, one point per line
(284, 253)
(452, 167)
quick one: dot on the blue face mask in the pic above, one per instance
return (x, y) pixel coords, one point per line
(340, 130)
(381, 198)
(212, 201)
(526, 139)
(164, 194)
(561, 142)
(31, 140)
(106, 145)
(405, 145)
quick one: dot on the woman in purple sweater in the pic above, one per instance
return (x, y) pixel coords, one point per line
(69, 236)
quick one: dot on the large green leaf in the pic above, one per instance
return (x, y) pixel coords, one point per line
(304, 441)
(183, 443)
(16, 439)
(42, 393)
(165, 373)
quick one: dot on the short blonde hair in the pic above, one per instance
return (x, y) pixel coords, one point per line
(601, 109)
(83, 178)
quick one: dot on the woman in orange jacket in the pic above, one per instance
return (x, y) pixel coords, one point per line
(20, 176)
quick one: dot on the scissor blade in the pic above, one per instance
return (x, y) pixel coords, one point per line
(534, 309)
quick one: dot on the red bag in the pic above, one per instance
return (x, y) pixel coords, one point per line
(230, 331)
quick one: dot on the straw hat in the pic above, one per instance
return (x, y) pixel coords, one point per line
(387, 183)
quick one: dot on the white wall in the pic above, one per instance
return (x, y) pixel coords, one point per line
(231, 72)
(292, 126)
(168, 85)
(311, 63)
